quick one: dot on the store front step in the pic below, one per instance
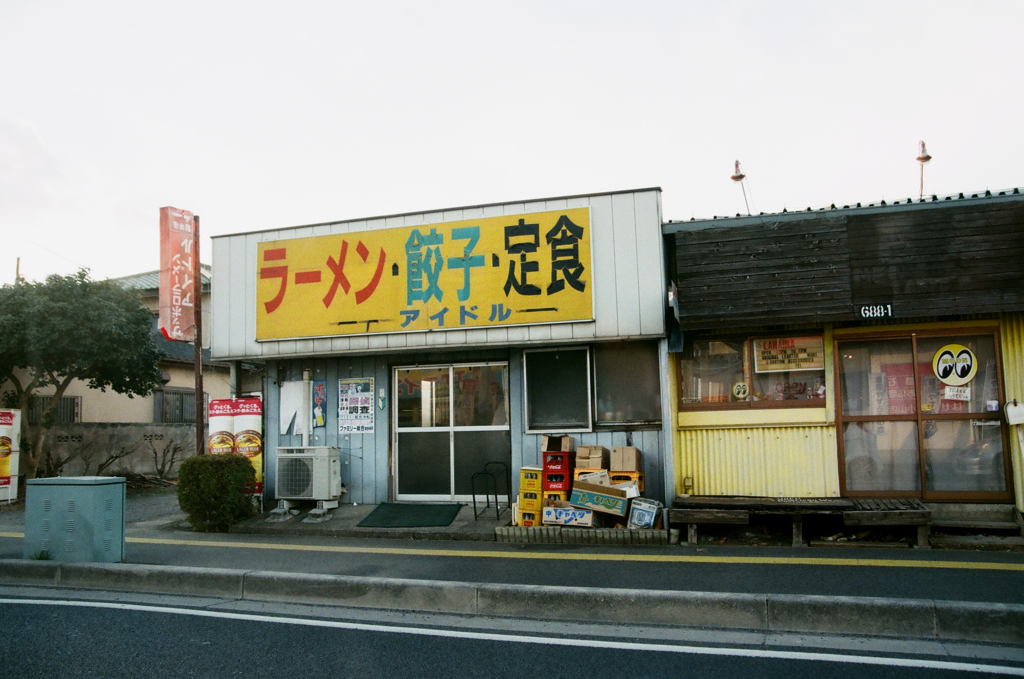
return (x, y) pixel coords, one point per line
(1001, 543)
(559, 535)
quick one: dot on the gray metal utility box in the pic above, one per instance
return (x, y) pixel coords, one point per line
(75, 518)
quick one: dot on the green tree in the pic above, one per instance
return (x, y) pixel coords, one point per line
(71, 328)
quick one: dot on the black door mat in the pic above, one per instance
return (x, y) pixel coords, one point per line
(402, 515)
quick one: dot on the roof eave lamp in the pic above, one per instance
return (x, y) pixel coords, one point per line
(923, 158)
(738, 177)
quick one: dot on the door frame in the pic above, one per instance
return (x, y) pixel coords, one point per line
(451, 428)
(920, 418)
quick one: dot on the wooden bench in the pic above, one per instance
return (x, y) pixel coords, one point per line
(693, 510)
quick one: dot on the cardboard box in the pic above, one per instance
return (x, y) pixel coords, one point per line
(530, 478)
(643, 513)
(592, 457)
(564, 514)
(608, 499)
(561, 443)
(600, 478)
(626, 459)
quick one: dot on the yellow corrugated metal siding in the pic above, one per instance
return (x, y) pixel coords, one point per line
(762, 461)
(1011, 335)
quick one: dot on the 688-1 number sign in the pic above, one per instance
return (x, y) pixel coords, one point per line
(876, 311)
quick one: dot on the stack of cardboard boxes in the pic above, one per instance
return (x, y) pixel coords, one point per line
(585, 487)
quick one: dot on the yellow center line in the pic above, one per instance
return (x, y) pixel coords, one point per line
(566, 556)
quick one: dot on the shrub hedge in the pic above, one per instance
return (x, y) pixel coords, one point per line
(212, 491)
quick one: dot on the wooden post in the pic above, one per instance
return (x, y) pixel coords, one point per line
(197, 308)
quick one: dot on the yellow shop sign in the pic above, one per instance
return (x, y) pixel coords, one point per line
(494, 271)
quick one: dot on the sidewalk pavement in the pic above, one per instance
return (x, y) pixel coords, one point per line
(942, 596)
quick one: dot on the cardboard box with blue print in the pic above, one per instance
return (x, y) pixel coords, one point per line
(607, 499)
(563, 514)
(643, 513)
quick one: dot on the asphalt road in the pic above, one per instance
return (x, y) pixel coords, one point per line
(878, 573)
(52, 638)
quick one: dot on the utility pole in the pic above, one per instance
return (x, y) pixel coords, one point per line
(197, 309)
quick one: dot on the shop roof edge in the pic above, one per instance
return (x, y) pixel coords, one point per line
(436, 210)
(907, 204)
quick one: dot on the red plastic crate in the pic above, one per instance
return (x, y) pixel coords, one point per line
(557, 480)
(559, 461)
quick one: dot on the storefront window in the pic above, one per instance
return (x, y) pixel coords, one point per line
(921, 415)
(480, 396)
(558, 390)
(877, 378)
(753, 372)
(881, 456)
(423, 397)
(627, 383)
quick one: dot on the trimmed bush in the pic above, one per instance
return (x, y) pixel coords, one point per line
(211, 491)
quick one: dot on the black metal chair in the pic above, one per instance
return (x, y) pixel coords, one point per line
(489, 479)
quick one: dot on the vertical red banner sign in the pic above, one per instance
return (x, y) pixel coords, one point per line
(177, 289)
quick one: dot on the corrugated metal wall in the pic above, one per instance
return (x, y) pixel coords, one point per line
(763, 461)
(365, 467)
(1011, 335)
(627, 265)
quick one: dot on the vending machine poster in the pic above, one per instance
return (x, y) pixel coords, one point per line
(355, 405)
(319, 403)
(7, 445)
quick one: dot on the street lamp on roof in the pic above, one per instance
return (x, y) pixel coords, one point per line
(923, 158)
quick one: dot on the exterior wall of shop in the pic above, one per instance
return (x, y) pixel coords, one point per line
(366, 457)
(627, 276)
(774, 452)
(794, 453)
(627, 266)
(1011, 336)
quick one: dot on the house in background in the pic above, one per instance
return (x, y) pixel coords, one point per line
(91, 425)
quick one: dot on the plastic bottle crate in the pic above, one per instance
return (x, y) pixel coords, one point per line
(557, 481)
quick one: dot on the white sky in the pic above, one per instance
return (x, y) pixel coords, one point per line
(257, 115)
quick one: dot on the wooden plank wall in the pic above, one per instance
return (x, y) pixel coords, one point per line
(940, 262)
(771, 272)
(939, 259)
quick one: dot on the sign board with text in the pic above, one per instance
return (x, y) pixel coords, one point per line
(177, 291)
(518, 269)
(789, 353)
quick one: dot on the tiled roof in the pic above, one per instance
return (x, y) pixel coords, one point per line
(833, 210)
(150, 280)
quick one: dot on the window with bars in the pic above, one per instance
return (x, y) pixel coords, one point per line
(68, 410)
(178, 406)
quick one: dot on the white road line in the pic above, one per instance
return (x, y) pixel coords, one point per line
(587, 643)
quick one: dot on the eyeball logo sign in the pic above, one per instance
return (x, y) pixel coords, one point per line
(955, 365)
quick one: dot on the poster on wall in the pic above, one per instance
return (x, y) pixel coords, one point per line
(788, 354)
(519, 269)
(355, 405)
(319, 403)
(236, 426)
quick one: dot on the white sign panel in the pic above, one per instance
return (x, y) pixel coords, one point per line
(355, 405)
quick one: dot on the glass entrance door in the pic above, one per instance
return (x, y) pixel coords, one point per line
(450, 421)
(920, 417)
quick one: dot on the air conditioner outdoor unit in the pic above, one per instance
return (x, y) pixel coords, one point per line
(308, 474)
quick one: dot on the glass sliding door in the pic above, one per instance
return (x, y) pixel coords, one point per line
(450, 422)
(920, 416)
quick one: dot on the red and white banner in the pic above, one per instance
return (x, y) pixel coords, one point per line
(177, 290)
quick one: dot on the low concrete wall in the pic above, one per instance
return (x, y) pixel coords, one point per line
(858, 616)
(89, 444)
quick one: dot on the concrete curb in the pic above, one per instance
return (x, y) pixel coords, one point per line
(766, 613)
